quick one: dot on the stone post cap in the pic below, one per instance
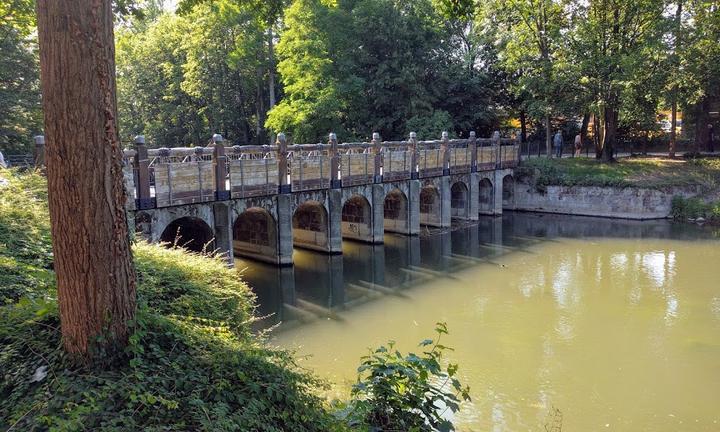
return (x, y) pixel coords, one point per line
(281, 137)
(496, 135)
(139, 139)
(444, 135)
(376, 136)
(333, 136)
(39, 139)
(413, 135)
(217, 138)
(472, 134)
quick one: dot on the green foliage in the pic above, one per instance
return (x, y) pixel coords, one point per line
(341, 74)
(20, 110)
(628, 172)
(694, 208)
(192, 362)
(397, 392)
(25, 257)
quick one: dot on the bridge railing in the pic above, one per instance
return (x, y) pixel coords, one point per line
(252, 171)
(166, 177)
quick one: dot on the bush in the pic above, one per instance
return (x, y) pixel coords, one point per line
(411, 392)
(694, 208)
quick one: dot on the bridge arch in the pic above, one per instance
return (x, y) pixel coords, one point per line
(395, 212)
(459, 200)
(485, 196)
(508, 191)
(310, 226)
(255, 235)
(191, 233)
(430, 206)
(357, 219)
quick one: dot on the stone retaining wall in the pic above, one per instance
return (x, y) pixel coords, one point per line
(626, 203)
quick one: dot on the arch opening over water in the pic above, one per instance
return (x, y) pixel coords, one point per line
(459, 202)
(430, 206)
(310, 226)
(485, 196)
(255, 235)
(191, 233)
(357, 219)
(395, 212)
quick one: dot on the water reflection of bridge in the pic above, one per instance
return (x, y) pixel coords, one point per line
(323, 286)
(261, 201)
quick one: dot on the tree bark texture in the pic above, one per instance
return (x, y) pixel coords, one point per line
(92, 256)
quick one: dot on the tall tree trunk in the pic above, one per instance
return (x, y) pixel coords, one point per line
(271, 75)
(260, 109)
(674, 90)
(548, 135)
(599, 127)
(702, 119)
(523, 127)
(93, 261)
(610, 126)
(673, 126)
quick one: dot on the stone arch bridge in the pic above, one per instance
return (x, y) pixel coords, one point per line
(261, 201)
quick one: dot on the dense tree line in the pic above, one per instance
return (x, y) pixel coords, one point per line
(249, 69)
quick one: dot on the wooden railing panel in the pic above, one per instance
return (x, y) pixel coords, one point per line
(253, 177)
(357, 168)
(184, 183)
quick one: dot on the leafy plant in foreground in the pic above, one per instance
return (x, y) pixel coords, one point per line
(397, 392)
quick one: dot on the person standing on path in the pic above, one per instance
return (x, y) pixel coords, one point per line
(558, 144)
(711, 144)
(578, 145)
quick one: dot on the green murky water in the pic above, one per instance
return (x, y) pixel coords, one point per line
(614, 323)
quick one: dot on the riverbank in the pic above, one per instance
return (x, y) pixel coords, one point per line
(632, 188)
(193, 362)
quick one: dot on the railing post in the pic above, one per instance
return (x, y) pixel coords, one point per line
(335, 176)
(379, 161)
(472, 143)
(445, 150)
(282, 158)
(220, 166)
(414, 169)
(143, 200)
(496, 144)
(39, 155)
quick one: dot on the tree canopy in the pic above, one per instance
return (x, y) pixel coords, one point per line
(249, 69)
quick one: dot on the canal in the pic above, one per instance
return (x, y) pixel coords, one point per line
(615, 324)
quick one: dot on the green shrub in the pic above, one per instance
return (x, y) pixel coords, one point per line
(692, 208)
(410, 392)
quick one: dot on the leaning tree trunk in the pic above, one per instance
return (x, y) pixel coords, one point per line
(92, 257)
(523, 127)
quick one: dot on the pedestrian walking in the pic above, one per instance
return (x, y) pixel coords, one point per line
(558, 144)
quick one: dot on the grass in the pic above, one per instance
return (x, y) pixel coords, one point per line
(652, 173)
(694, 208)
(192, 362)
